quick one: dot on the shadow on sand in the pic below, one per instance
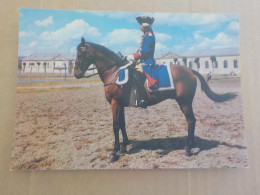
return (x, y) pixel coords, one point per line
(168, 145)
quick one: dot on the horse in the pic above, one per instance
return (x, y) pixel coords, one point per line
(108, 63)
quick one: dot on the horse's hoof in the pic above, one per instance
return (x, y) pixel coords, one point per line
(113, 157)
(123, 150)
(188, 151)
(127, 142)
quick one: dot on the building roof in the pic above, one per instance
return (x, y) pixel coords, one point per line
(169, 55)
(232, 51)
(21, 57)
(50, 56)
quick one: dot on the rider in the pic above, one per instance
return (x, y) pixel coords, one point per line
(144, 55)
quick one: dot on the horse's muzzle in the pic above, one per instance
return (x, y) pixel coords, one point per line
(78, 75)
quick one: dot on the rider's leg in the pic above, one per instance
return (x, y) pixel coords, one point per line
(140, 80)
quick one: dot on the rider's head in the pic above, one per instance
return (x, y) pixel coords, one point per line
(145, 22)
(145, 27)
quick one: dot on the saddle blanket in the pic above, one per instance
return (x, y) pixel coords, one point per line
(123, 76)
(159, 77)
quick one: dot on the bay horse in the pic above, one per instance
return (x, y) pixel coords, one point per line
(108, 64)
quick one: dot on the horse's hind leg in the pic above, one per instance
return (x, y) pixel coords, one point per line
(187, 110)
(123, 130)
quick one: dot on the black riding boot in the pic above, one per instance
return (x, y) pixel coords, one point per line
(140, 80)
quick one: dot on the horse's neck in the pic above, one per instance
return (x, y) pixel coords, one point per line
(110, 75)
(107, 66)
(107, 73)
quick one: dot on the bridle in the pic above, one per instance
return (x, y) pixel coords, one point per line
(92, 58)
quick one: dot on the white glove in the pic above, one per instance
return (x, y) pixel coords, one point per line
(130, 58)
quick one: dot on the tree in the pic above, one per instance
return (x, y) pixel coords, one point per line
(24, 64)
(44, 65)
(197, 61)
(213, 60)
(184, 59)
(38, 63)
(175, 60)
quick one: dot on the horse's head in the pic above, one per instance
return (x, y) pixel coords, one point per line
(83, 60)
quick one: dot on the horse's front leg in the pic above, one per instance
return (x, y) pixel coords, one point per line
(123, 130)
(116, 125)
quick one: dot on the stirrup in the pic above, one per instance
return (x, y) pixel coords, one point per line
(142, 104)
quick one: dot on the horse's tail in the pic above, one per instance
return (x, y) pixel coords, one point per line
(212, 95)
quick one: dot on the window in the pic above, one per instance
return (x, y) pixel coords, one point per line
(235, 64)
(216, 64)
(190, 64)
(225, 64)
(207, 64)
(171, 63)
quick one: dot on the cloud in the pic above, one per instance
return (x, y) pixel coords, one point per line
(26, 34)
(130, 16)
(191, 19)
(178, 48)
(233, 27)
(73, 49)
(160, 49)
(44, 22)
(61, 39)
(32, 44)
(129, 50)
(24, 50)
(162, 36)
(221, 40)
(127, 41)
(73, 30)
(172, 19)
(123, 40)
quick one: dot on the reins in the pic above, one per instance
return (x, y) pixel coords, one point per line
(113, 76)
(109, 67)
(118, 64)
(88, 76)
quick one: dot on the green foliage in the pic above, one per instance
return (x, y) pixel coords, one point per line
(197, 60)
(213, 58)
(184, 59)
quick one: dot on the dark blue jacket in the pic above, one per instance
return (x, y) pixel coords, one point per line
(146, 50)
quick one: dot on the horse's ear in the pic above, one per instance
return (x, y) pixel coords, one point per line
(83, 41)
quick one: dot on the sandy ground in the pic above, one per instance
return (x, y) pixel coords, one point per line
(72, 129)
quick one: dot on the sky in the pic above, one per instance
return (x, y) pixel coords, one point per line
(47, 31)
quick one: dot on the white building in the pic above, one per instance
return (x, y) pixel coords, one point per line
(227, 61)
(49, 63)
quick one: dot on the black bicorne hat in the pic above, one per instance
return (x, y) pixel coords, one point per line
(145, 19)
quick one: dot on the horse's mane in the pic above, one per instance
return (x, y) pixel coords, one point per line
(107, 52)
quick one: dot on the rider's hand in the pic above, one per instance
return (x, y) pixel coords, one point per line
(130, 58)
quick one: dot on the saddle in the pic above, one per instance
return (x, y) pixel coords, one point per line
(158, 78)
